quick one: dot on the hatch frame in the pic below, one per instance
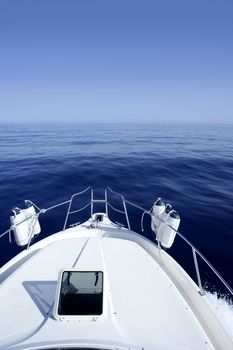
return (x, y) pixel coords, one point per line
(78, 317)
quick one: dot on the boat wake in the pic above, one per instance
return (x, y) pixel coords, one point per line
(223, 310)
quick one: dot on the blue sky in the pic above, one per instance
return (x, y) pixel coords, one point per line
(116, 60)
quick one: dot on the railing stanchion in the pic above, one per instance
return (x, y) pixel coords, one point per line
(197, 271)
(106, 201)
(68, 213)
(92, 197)
(31, 229)
(126, 213)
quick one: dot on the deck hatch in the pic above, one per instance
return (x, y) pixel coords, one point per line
(81, 293)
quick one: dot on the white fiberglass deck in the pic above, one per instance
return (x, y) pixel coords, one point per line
(143, 308)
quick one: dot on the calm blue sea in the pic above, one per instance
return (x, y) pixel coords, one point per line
(190, 166)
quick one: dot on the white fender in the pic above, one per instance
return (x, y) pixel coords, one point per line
(164, 216)
(21, 231)
(157, 211)
(33, 222)
(166, 234)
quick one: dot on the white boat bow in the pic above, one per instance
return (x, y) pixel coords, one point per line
(99, 285)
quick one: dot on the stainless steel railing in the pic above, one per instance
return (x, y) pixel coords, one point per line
(125, 203)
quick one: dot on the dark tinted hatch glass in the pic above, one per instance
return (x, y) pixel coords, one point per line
(81, 293)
